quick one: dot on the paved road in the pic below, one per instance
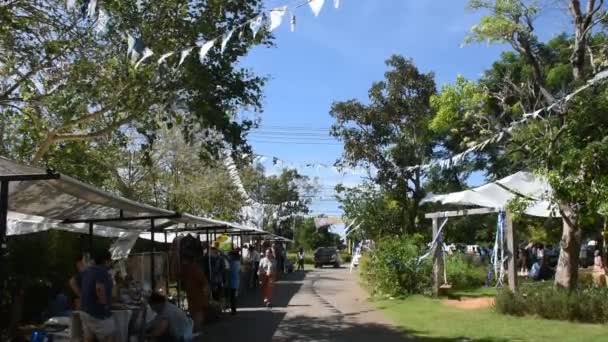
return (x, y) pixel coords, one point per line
(321, 305)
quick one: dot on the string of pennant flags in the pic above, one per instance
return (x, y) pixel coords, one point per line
(455, 160)
(139, 53)
(278, 162)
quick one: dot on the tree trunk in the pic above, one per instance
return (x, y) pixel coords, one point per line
(566, 275)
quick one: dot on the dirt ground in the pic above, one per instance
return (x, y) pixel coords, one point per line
(470, 303)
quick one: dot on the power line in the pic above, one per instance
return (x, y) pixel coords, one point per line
(294, 143)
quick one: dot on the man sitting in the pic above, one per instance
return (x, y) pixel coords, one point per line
(170, 323)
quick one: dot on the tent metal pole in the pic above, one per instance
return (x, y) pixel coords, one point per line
(167, 249)
(3, 226)
(91, 239)
(152, 266)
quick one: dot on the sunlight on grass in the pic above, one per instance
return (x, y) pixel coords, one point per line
(429, 318)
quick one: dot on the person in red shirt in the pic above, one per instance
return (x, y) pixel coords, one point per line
(197, 290)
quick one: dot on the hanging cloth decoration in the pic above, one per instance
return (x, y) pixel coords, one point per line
(147, 53)
(185, 53)
(205, 49)
(164, 57)
(134, 48)
(337, 3)
(256, 24)
(225, 40)
(276, 17)
(91, 8)
(316, 6)
(293, 23)
(102, 21)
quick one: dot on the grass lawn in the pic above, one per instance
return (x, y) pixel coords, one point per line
(429, 320)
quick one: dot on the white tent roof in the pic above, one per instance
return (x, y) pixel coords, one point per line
(67, 204)
(66, 198)
(498, 194)
(38, 205)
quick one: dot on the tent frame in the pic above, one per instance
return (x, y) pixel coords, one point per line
(438, 266)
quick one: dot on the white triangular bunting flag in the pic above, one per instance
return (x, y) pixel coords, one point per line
(184, 54)
(147, 54)
(225, 40)
(316, 6)
(164, 57)
(337, 3)
(256, 24)
(293, 23)
(276, 17)
(205, 49)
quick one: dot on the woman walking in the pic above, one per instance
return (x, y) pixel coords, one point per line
(267, 272)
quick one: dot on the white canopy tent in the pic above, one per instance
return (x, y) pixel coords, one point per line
(493, 198)
(497, 195)
(34, 200)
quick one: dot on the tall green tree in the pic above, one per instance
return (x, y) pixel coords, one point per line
(391, 132)
(567, 144)
(67, 80)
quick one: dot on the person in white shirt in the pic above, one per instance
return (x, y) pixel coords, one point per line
(267, 273)
(300, 257)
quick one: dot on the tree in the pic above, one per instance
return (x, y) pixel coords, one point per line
(375, 212)
(391, 133)
(309, 237)
(66, 79)
(286, 197)
(567, 145)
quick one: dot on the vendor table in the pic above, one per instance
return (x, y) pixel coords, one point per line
(123, 319)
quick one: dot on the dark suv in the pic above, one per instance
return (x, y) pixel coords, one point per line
(327, 256)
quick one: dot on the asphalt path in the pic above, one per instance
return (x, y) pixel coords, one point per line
(317, 306)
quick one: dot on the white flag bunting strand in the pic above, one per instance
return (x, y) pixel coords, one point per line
(456, 159)
(276, 17)
(316, 6)
(205, 49)
(225, 40)
(256, 25)
(272, 19)
(165, 56)
(147, 53)
(184, 54)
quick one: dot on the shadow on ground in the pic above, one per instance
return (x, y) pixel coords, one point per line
(340, 329)
(254, 322)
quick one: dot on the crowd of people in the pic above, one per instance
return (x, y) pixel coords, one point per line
(211, 277)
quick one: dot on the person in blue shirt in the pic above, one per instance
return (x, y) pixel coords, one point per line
(170, 324)
(235, 277)
(96, 295)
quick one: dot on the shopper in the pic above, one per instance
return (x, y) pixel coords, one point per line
(267, 272)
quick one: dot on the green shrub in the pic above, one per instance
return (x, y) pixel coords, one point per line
(392, 269)
(586, 304)
(346, 258)
(463, 273)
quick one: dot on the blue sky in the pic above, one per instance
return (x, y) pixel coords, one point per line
(338, 55)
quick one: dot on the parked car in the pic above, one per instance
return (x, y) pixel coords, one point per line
(327, 256)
